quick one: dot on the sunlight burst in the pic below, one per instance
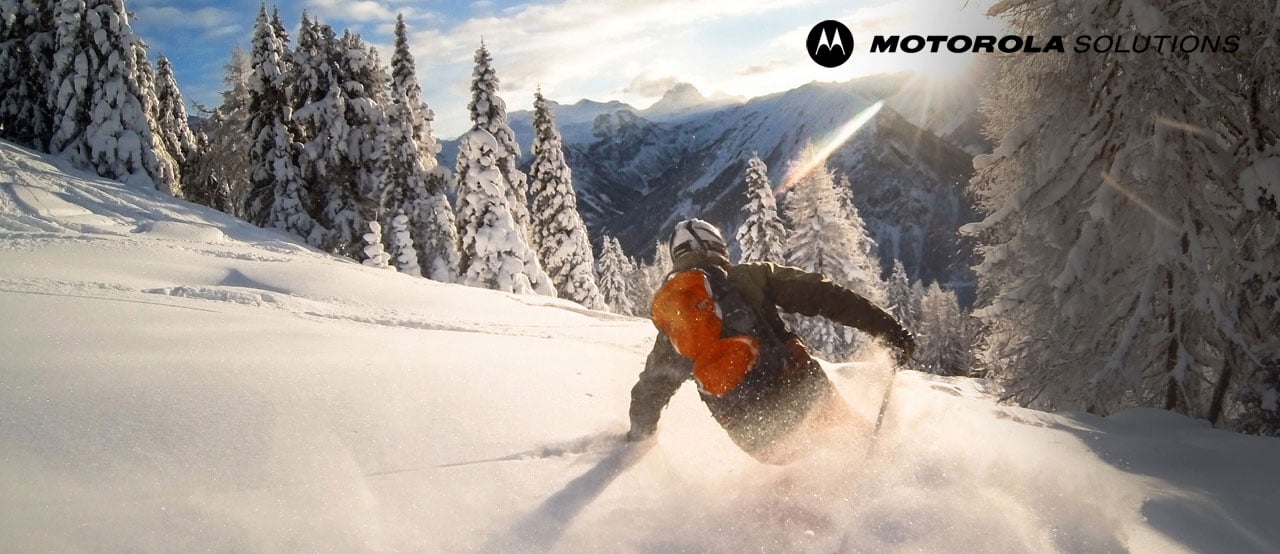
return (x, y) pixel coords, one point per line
(859, 119)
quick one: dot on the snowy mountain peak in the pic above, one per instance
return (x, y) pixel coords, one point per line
(683, 99)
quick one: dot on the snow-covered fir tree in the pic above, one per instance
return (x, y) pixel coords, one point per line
(647, 278)
(415, 184)
(763, 236)
(945, 338)
(26, 45)
(827, 237)
(863, 260)
(1128, 258)
(493, 252)
(434, 223)
(374, 255)
(318, 98)
(101, 122)
(170, 171)
(489, 112)
(404, 257)
(278, 197)
(559, 233)
(899, 300)
(171, 115)
(221, 174)
(341, 90)
(404, 79)
(613, 279)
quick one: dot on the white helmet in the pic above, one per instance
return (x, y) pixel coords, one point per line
(695, 236)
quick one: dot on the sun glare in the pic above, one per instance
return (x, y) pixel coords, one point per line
(830, 145)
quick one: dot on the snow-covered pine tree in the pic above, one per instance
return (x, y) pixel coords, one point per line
(1121, 245)
(101, 122)
(362, 162)
(170, 177)
(863, 259)
(281, 32)
(171, 115)
(493, 252)
(277, 195)
(405, 179)
(559, 234)
(194, 188)
(658, 270)
(374, 253)
(404, 78)
(318, 98)
(827, 237)
(415, 179)
(404, 257)
(945, 338)
(614, 285)
(763, 236)
(340, 97)
(26, 46)
(438, 227)
(899, 300)
(222, 170)
(489, 112)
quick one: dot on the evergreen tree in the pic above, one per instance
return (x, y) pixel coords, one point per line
(358, 189)
(1128, 258)
(403, 254)
(762, 237)
(827, 237)
(278, 197)
(404, 78)
(899, 300)
(489, 112)
(340, 94)
(613, 280)
(26, 44)
(374, 254)
(559, 234)
(171, 115)
(945, 336)
(493, 253)
(101, 122)
(415, 183)
(438, 228)
(220, 174)
(170, 176)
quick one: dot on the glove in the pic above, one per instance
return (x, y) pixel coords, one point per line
(906, 345)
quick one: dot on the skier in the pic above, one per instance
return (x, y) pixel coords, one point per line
(718, 324)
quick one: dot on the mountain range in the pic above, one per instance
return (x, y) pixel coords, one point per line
(637, 171)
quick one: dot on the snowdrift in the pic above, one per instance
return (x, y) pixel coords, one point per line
(172, 379)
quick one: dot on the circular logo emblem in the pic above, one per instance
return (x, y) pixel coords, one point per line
(830, 43)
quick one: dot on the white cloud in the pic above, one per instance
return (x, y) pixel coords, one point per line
(362, 11)
(206, 18)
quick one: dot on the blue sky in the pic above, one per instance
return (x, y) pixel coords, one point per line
(599, 49)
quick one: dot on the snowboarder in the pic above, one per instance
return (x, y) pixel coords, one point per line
(718, 324)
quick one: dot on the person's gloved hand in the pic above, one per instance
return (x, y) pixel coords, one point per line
(905, 342)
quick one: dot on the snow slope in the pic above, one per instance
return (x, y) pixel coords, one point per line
(172, 379)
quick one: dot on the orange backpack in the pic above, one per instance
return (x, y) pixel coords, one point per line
(686, 311)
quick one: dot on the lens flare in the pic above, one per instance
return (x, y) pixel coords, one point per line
(841, 136)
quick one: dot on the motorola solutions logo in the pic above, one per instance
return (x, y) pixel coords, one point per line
(830, 43)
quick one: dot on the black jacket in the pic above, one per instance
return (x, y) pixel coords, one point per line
(765, 287)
